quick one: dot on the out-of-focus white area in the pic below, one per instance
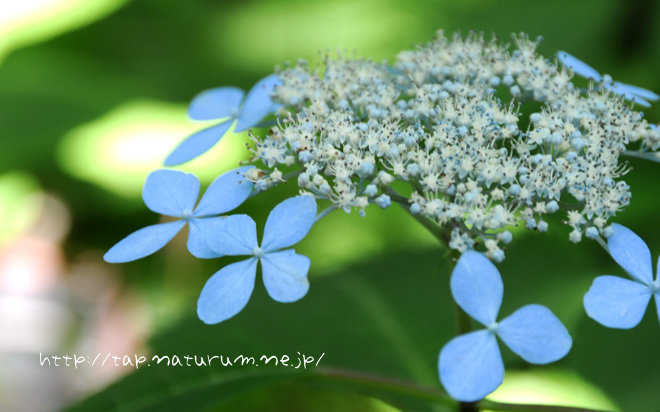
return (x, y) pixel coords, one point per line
(50, 305)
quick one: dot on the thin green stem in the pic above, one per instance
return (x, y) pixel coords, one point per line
(430, 225)
(463, 321)
(569, 206)
(464, 324)
(286, 177)
(325, 212)
(603, 244)
(380, 384)
(497, 406)
(291, 175)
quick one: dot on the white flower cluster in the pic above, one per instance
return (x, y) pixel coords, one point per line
(483, 137)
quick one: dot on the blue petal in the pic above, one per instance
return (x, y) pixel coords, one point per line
(227, 292)
(657, 294)
(289, 222)
(234, 235)
(285, 275)
(216, 103)
(641, 92)
(170, 192)
(631, 253)
(197, 144)
(578, 66)
(143, 242)
(535, 334)
(477, 287)
(197, 238)
(227, 192)
(616, 302)
(627, 94)
(258, 103)
(470, 366)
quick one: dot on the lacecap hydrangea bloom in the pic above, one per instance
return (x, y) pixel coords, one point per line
(284, 272)
(174, 193)
(213, 234)
(470, 365)
(447, 119)
(469, 135)
(230, 104)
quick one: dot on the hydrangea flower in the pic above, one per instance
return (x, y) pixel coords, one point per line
(629, 92)
(224, 102)
(470, 365)
(284, 272)
(621, 303)
(448, 122)
(174, 193)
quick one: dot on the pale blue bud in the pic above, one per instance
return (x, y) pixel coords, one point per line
(371, 190)
(383, 201)
(552, 206)
(591, 232)
(305, 156)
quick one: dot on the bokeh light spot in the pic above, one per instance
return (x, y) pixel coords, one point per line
(552, 387)
(28, 21)
(118, 150)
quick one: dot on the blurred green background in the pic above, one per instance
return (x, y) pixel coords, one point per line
(93, 96)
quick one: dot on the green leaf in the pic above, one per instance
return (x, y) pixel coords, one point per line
(380, 326)
(361, 320)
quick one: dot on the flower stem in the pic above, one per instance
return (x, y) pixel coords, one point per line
(381, 385)
(430, 225)
(497, 406)
(325, 212)
(384, 385)
(463, 322)
(285, 179)
(603, 244)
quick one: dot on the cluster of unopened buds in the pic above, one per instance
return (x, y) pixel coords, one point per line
(468, 136)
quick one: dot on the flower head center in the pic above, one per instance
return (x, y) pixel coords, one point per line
(493, 327)
(187, 214)
(655, 286)
(258, 252)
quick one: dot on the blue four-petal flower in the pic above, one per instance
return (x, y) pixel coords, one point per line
(470, 365)
(621, 303)
(629, 92)
(224, 102)
(284, 272)
(174, 193)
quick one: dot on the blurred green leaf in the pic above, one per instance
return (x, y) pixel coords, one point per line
(390, 317)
